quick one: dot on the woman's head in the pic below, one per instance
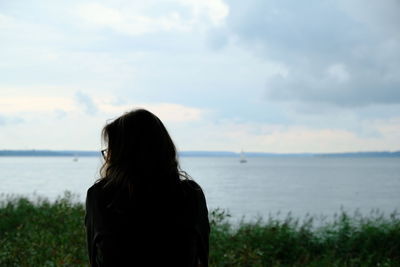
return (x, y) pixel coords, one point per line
(139, 149)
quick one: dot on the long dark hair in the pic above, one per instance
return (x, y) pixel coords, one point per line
(140, 152)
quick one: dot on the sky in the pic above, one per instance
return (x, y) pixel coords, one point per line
(259, 75)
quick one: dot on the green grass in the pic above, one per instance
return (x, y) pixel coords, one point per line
(43, 233)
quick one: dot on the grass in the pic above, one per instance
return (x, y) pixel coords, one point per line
(43, 233)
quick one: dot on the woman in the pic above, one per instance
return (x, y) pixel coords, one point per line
(144, 211)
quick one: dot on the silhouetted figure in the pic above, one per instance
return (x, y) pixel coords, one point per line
(144, 211)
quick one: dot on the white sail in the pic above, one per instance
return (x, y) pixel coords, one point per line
(242, 158)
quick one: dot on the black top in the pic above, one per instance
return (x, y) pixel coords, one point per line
(164, 226)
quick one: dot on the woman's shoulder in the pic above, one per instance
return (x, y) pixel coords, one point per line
(192, 186)
(194, 190)
(96, 186)
(96, 190)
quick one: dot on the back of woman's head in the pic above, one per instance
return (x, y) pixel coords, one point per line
(139, 151)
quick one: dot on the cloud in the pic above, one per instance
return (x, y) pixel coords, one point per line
(3, 120)
(215, 10)
(60, 114)
(382, 17)
(217, 38)
(136, 18)
(103, 105)
(337, 53)
(6, 120)
(86, 102)
(169, 112)
(129, 24)
(278, 138)
(175, 112)
(278, 70)
(336, 85)
(32, 104)
(17, 31)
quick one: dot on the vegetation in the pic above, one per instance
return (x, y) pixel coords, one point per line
(346, 241)
(43, 233)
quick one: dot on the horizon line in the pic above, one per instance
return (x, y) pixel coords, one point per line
(204, 151)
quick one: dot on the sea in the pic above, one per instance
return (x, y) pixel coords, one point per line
(261, 188)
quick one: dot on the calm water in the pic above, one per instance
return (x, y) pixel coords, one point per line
(263, 186)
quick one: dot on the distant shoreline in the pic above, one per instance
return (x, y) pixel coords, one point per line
(81, 153)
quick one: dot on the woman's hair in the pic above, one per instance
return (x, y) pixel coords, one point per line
(139, 152)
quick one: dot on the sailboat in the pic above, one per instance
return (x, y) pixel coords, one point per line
(242, 158)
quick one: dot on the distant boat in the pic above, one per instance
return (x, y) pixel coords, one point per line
(75, 159)
(242, 158)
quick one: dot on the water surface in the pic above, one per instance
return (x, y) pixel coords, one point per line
(262, 186)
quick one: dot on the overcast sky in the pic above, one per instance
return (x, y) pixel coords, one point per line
(258, 75)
